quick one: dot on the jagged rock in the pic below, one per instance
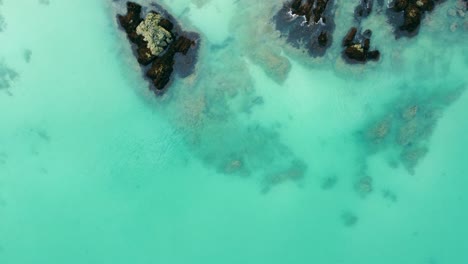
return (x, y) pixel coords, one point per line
(349, 38)
(131, 20)
(320, 6)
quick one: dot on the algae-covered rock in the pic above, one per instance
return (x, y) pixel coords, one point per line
(157, 37)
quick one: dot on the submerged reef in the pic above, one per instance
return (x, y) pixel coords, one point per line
(405, 129)
(158, 40)
(7, 76)
(214, 119)
(308, 24)
(2, 23)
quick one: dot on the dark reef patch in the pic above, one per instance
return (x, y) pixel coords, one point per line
(307, 24)
(160, 45)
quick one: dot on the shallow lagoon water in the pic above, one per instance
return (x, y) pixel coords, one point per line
(262, 156)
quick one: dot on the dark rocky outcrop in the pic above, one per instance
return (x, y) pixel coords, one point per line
(357, 47)
(307, 24)
(406, 15)
(157, 41)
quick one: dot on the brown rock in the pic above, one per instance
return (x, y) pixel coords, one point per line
(161, 71)
(349, 38)
(183, 44)
(132, 19)
(166, 24)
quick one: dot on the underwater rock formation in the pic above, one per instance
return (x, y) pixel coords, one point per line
(349, 219)
(157, 42)
(363, 9)
(357, 47)
(406, 15)
(408, 126)
(7, 76)
(307, 24)
(364, 186)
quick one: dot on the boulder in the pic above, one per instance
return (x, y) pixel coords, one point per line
(349, 38)
(323, 39)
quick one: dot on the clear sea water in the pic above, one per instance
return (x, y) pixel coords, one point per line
(264, 155)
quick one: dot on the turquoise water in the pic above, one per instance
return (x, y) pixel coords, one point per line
(262, 156)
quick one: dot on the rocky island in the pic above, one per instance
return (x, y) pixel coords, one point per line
(160, 45)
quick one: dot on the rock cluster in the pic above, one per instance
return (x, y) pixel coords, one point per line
(357, 46)
(307, 24)
(156, 41)
(407, 14)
